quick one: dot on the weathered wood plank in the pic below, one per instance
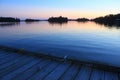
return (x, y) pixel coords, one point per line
(40, 75)
(8, 59)
(42, 55)
(2, 53)
(97, 75)
(70, 73)
(84, 73)
(111, 76)
(10, 63)
(14, 65)
(23, 67)
(115, 76)
(118, 76)
(20, 70)
(57, 73)
(33, 70)
(5, 55)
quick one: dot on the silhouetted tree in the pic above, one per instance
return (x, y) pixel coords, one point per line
(108, 20)
(31, 20)
(9, 19)
(58, 19)
(82, 19)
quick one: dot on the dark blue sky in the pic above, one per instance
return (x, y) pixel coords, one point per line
(68, 8)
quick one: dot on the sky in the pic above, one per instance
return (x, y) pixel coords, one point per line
(68, 8)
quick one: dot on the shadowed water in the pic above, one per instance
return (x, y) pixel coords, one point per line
(81, 41)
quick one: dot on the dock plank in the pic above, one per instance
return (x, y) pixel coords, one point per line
(57, 73)
(2, 53)
(84, 73)
(14, 65)
(97, 75)
(33, 70)
(5, 55)
(110, 76)
(40, 75)
(18, 71)
(115, 76)
(8, 59)
(70, 73)
(11, 62)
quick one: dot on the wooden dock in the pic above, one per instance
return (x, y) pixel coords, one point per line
(15, 66)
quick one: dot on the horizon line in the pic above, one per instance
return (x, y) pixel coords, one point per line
(59, 16)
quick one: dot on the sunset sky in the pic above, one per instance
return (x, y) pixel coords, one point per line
(68, 8)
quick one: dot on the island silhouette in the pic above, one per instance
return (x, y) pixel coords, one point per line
(109, 20)
(82, 19)
(31, 20)
(58, 19)
(9, 19)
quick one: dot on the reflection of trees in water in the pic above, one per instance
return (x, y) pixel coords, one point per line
(58, 19)
(109, 20)
(57, 23)
(110, 25)
(82, 21)
(31, 22)
(5, 24)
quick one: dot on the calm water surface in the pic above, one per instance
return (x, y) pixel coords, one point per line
(81, 41)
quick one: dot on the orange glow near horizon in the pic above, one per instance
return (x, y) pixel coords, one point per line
(70, 15)
(45, 14)
(43, 9)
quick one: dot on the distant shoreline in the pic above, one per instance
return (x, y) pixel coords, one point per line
(109, 20)
(51, 19)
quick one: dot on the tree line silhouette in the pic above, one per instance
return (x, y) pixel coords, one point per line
(31, 20)
(58, 19)
(82, 19)
(9, 19)
(109, 20)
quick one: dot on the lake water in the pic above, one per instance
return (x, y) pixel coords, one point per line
(77, 40)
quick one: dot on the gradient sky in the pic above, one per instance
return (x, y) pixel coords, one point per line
(68, 8)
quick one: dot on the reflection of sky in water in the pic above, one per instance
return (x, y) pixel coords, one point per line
(84, 41)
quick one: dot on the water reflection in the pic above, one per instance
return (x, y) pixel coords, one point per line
(5, 24)
(57, 23)
(111, 25)
(116, 25)
(78, 40)
(31, 22)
